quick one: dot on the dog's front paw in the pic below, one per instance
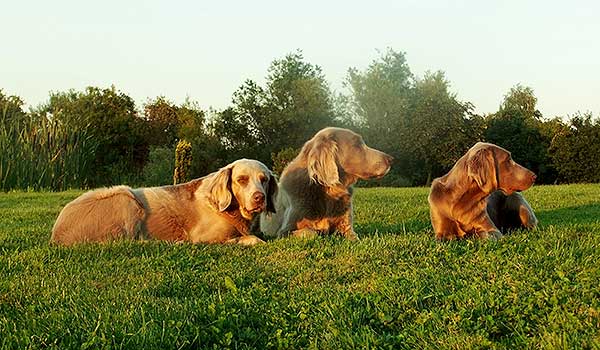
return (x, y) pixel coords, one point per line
(527, 217)
(351, 235)
(246, 240)
(494, 235)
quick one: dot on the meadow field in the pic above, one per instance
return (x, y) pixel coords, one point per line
(396, 288)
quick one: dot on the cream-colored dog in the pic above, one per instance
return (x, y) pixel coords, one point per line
(216, 208)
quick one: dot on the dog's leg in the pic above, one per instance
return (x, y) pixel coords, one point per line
(486, 229)
(289, 223)
(479, 223)
(444, 228)
(344, 225)
(527, 217)
(526, 214)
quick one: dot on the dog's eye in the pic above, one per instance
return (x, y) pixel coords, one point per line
(242, 180)
(262, 178)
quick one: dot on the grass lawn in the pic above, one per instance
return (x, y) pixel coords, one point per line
(395, 288)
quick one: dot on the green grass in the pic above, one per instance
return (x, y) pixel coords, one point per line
(395, 288)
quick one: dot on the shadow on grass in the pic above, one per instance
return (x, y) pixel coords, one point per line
(584, 214)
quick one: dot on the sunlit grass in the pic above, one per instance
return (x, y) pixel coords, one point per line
(396, 287)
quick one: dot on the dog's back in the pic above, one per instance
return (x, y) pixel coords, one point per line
(99, 215)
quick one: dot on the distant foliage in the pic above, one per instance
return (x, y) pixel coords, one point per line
(575, 150)
(293, 105)
(98, 136)
(518, 127)
(161, 117)
(158, 171)
(417, 120)
(43, 153)
(282, 158)
(111, 119)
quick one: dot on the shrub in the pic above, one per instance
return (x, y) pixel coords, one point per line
(159, 169)
(183, 162)
(282, 158)
(575, 150)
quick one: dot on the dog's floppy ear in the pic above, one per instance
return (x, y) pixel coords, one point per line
(272, 193)
(481, 167)
(321, 163)
(219, 189)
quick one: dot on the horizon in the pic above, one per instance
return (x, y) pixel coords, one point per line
(206, 51)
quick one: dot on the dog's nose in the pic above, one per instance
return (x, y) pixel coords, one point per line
(258, 197)
(533, 177)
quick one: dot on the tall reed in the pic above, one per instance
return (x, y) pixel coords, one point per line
(37, 152)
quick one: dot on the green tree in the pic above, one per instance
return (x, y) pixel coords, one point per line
(378, 106)
(518, 127)
(236, 137)
(418, 121)
(162, 122)
(168, 123)
(191, 121)
(521, 100)
(299, 102)
(441, 128)
(294, 104)
(575, 150)
(380, 96)
(113, 122)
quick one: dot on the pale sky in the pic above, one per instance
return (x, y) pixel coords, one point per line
(206, 49)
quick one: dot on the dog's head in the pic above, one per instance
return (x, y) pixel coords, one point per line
(493, 168)
(247, 183)
(336, 155)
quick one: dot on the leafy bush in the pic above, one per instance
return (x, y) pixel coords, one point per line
(159, 169)
(282, 158)
(575, 150)
(110, 116)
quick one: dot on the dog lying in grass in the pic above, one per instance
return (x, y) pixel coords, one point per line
(479, 195)
(216, 208)
(316, 187)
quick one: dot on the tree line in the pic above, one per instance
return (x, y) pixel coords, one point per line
(99, 136)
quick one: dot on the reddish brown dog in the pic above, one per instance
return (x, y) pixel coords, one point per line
(460, 202)
(217, 208)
